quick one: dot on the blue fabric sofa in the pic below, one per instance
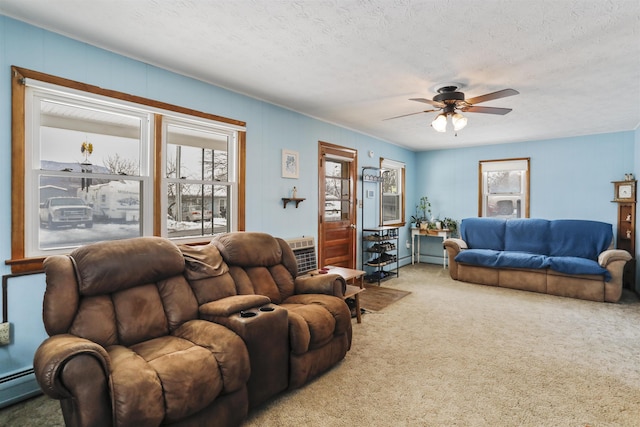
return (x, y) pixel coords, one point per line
(566, 257)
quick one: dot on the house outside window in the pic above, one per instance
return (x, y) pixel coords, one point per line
(392, 201)
(504, 188)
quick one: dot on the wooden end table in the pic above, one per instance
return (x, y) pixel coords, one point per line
(352, 291)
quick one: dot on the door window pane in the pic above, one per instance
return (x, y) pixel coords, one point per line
(337, 190)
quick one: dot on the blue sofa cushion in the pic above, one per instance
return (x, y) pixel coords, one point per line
(579, 238)
(491, 258)
(483, 233)
(522, 260)
(484, 257)
(527, 235)
(577, 265)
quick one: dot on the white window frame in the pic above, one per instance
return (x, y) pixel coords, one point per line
(232, 171)
(393, 166)
(504, 165)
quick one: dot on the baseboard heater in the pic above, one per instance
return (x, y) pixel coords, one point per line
(304, 248)
(16, 375)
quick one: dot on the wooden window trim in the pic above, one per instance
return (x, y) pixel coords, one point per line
(18, 262)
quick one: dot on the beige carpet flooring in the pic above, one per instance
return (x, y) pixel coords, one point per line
(457, 354)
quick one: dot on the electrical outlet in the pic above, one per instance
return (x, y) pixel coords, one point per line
(408, 245)
(5, 329)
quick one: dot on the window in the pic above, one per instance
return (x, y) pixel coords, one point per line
(337, 184)
(87, 175)
(92, 165)
(199, 188)
(392, 200)
(504, 188)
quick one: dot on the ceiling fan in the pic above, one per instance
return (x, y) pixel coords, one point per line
(450, 102)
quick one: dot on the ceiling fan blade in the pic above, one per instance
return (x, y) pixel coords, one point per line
(410, 114)
(486, 110)
(429, 101)
(494, 95)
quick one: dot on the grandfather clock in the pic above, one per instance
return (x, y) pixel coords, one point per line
(625, 196)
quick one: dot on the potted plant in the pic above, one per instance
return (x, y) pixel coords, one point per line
(451, 225)
(423, 211)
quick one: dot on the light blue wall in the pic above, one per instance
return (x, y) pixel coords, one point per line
(269, 130)
(570, 177)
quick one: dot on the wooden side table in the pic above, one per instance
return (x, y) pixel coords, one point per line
(348, 274)
(352, 291)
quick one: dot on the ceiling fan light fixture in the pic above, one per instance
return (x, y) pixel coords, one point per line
(440, 123)
(459, 121)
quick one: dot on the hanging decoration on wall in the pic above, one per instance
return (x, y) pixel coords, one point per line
(290, 166)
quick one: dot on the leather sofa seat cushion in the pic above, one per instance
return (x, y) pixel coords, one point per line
(310, 327)
(169, 378)
(314, 320)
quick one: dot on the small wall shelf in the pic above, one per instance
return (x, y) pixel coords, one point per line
(286, 200)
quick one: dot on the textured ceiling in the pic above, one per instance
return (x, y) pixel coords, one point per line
(576, 63)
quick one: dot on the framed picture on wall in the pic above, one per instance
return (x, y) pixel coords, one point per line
(290, 164)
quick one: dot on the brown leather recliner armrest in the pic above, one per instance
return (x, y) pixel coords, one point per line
(55, 352)
(233, 304)
(68, 367)
(328, 284)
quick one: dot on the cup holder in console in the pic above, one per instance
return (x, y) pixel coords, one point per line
(266, 308)
(248, 313)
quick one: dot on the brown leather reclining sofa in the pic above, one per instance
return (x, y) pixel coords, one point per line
(139, 336)
(295, 327)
